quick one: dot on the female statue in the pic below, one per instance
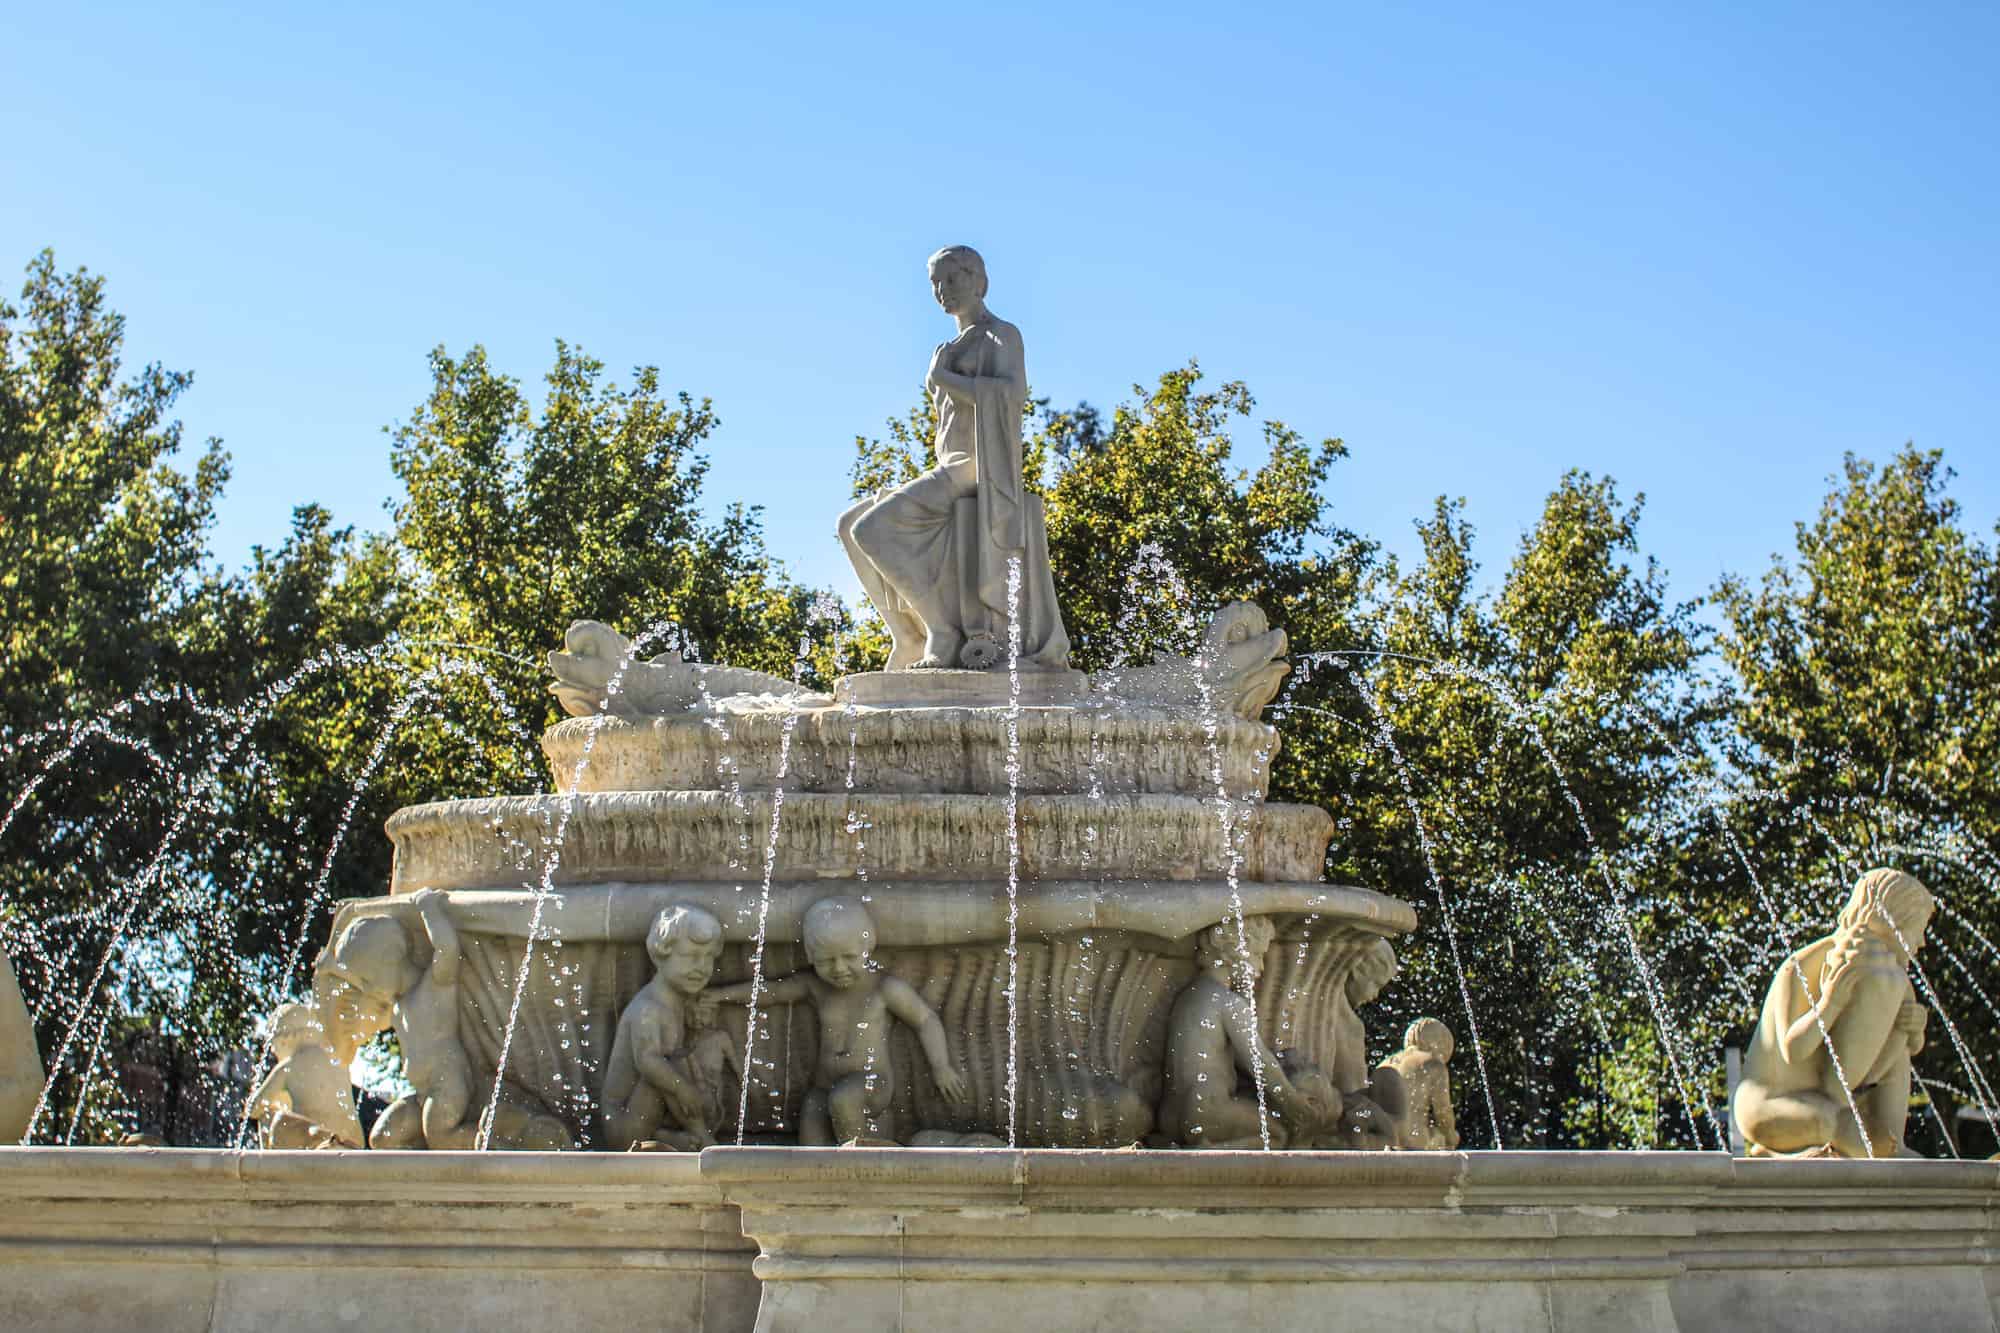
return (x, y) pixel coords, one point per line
(937, 570)
(1838, 1029)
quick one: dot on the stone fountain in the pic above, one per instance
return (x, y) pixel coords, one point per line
(1045, 870)
(910, 997)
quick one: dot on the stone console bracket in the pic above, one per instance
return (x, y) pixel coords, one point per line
(970, 1239)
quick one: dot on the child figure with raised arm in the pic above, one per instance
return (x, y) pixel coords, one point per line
(660, 1070)
(854, 1083)
(384, 969)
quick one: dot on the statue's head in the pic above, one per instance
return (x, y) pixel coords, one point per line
(1374, 969)
(958, 278)
(1427, 1034)
(684, 943)
(1890, 903)
(1222, 948)
(373, 956)
(839, 936)
(360, 976)
(296, 1026)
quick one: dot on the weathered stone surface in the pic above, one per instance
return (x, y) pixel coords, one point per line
(968, 1239)
(1117, 749)
(972, 1240)
(196, 1239)
(709, 835)
(1098, 966)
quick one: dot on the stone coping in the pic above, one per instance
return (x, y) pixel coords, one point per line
(147, 1173)
(1349, 1180)
(997, 1239)
(927, 913)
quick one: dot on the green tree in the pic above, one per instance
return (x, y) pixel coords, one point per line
(1866, 730)
(517, 522)
(1490, 769)
(1157, 489)
(199, 762)
(1873, 663)
(154, 820)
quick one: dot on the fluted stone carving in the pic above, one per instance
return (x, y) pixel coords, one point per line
(501, 841)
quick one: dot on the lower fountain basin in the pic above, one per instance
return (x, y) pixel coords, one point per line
(1099, 966)
(961, 1240)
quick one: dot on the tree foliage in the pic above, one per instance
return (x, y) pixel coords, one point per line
(200, 761)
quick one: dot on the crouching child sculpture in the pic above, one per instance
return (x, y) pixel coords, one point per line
(1838, 1028)
(397, 965)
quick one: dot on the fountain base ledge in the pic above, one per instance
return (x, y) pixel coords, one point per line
(951, 1239)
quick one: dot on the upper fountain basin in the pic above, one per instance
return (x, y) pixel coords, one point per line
(1109, 747)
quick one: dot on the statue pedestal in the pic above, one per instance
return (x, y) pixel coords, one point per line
(961, 689)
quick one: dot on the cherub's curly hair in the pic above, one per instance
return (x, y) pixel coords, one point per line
(681, 923)
(1428, 1034)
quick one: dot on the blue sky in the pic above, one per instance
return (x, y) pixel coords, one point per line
(1702, 248)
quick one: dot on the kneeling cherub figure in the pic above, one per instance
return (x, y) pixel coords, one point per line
(1428, 1123)
(667, 1077)
(397, 964)
(306, 1100)
(1838, 1029)
(854, 1082)
(1212, 1035)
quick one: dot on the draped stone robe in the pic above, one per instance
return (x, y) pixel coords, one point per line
(916, 537)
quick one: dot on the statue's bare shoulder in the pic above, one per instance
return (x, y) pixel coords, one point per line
(1007, 335)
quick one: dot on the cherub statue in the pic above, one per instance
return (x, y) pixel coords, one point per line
(384, 969)
(854, 1082)
(663, 1067)
(306, 1100)
(1428, 1123)
(1840, 1024)
(1214, 1049)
